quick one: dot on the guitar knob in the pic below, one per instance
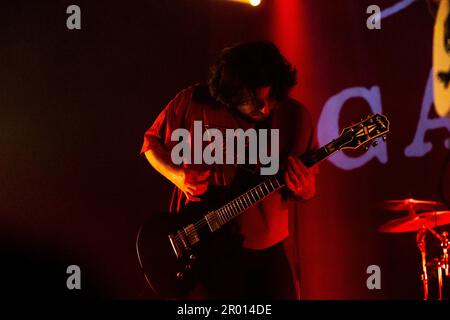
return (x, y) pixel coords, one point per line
(375, 143)
(384, 138)
(180, 275)
(366, 148)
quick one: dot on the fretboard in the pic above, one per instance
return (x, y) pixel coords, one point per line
(248, 199)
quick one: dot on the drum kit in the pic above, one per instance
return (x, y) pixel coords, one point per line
(423, 216)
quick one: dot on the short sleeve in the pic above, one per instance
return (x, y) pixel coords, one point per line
(170, 118)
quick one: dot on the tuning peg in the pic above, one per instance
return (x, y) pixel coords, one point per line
(375, 143)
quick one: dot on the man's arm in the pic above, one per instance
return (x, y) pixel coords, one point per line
(192, 183)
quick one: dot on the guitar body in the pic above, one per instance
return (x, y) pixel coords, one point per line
(172, 277)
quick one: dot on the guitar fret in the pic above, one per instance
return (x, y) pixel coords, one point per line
(253, 197)
(258, 197)
(270, 180)
(232, 210)
(241, 202)
(259, 190)
(262, 190)
(277, 183)
(226, 213)
(256, 189)
(222, 212)
(266, 186)
(242, 205)
(236, 206)
(248, 196)
(245, 202)
(219, 214)
(217, 217)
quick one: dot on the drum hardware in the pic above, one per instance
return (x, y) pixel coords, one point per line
(422, 223)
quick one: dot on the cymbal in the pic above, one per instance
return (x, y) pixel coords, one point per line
(410, 203)
(415, 222)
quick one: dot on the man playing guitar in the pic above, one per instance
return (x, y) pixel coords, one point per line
(248, 88)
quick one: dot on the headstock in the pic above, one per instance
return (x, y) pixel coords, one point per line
(358, 135)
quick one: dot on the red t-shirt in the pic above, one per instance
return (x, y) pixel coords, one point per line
(266, 223)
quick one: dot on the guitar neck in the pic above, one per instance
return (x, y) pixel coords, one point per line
(232, 209)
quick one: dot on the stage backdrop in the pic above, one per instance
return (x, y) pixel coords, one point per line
(75, 105)
(347, 71)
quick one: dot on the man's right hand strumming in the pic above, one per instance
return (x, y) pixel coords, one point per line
(192, 181)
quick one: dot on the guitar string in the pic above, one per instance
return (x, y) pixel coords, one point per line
(204, 221)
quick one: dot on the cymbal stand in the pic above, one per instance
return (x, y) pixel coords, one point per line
(420, 239)
(421, 244)
(442, 264)
(444, 260)
(444, 245)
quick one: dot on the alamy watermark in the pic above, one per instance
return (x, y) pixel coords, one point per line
(374, 280)
(74, 279)
(74, 20)
(237, 142)
(374, 20)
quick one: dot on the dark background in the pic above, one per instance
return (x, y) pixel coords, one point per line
(74, 105)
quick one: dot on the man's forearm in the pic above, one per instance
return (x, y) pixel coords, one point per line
(159, 158)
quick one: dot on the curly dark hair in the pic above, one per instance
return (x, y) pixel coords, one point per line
(244, 67)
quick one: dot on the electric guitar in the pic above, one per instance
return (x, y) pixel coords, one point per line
(173, 248)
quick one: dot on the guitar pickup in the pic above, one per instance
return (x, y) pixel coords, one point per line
(191, 234)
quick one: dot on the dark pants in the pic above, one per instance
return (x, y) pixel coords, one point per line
(251, 274)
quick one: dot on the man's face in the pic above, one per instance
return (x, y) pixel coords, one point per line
(260, 108)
